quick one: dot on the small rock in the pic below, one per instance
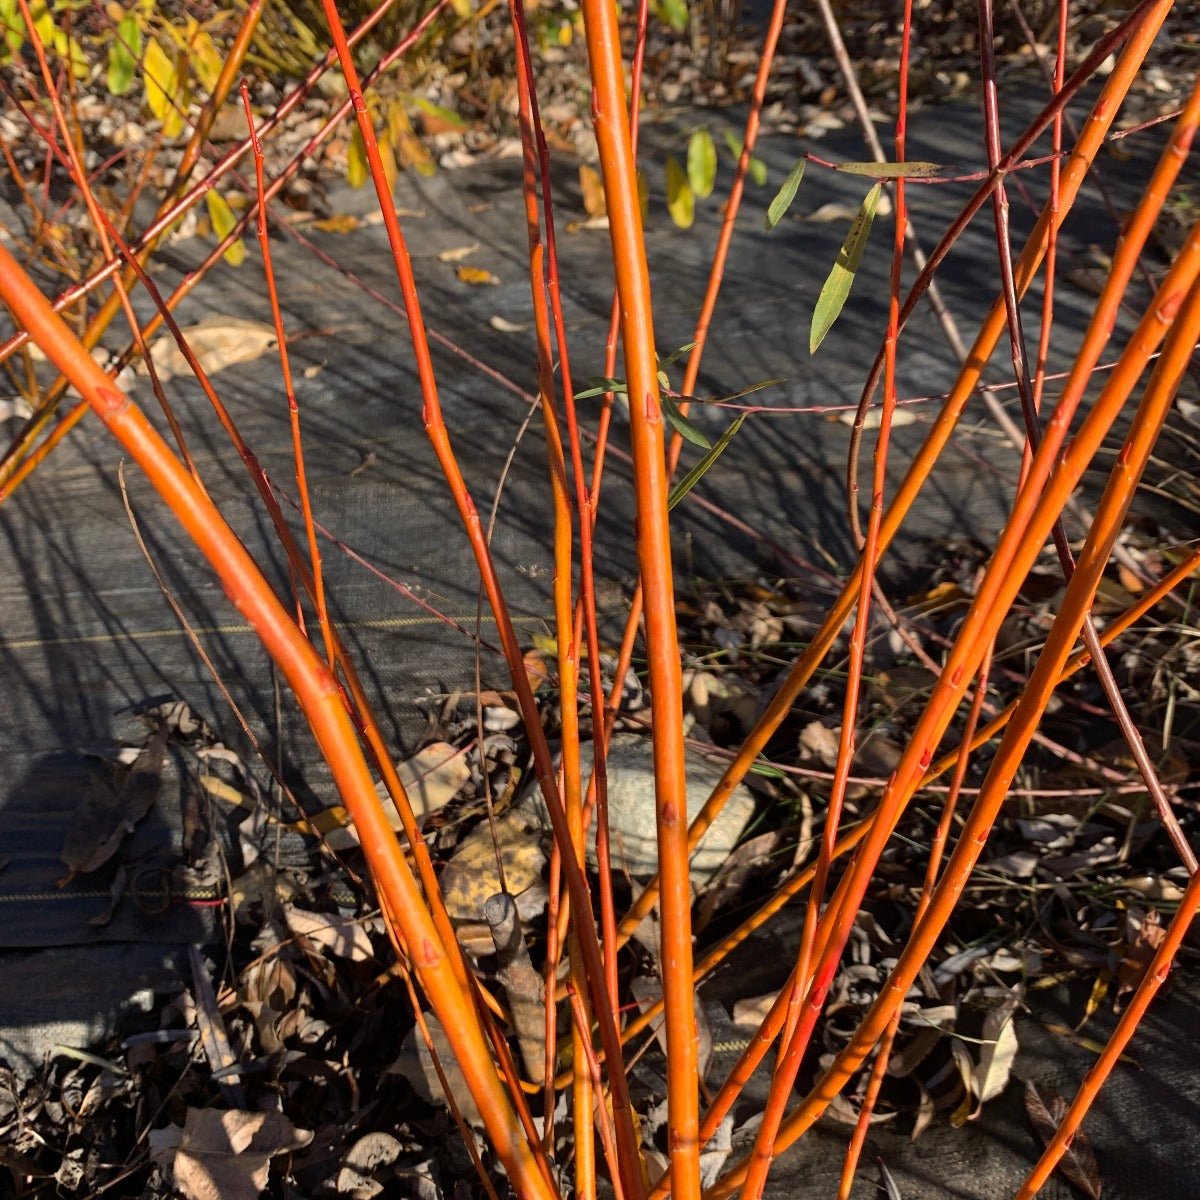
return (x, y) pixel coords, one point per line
(631, 809)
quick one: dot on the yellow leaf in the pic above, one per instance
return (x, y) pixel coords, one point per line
(409, 148)
(223, 220)
(593, 191)
(462, 8)
(477, 277)
(357, 168)
(681, 201)
(206, 60)
(163, 93)
(339, 223)
(643, 194)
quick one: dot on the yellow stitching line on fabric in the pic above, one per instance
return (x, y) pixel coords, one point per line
(148, 635)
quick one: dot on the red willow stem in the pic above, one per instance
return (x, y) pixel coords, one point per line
(285, 365)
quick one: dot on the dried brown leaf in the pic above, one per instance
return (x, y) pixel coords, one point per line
(1046, 1109)
(107, 814)
(225, 1155)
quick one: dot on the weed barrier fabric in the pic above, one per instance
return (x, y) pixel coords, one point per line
(87, 639)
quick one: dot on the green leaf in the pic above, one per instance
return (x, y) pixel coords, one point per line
(616, 386)
(223, 220)
(893, 170)
(674, 12)
(681, 424)
(760, 766)
(701, 163)
(676, 354)
(757, 168)
(681, 201)
(785, 195)
(12, 25)
(698, 472)
(123, 54)
(437, 110)
(836, 288)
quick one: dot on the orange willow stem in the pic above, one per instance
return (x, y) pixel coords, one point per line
(1155, 977)
(582, 1096)
(319, 696)
(651, 481)
(1103, 113)
(435, 427)
(1170, 305)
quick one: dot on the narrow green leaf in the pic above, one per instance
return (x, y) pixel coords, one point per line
(786, 194)
(757, 168)
(702, 163)
(123, 54)
(893, 170)
(836, 288)
(676, 354)
(681, 201)
(605, 386)
(682, 425)
(698, 472)
(749, 391)
(760, 766)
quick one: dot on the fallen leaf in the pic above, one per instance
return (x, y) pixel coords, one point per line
(592, 187)
(431, 778)
(997, 1051)
(833, 211)
(457, 253)
(874, 417)
(224, 1155)
(107, 814)
(502, 325)
(477, 277)
(217, 342)
(470, 878)
(753, 1011)
(1143, 936)
(343, 937)
(1046, 1109)
(338, 223)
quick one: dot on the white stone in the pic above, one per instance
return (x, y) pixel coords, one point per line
(631, 809)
